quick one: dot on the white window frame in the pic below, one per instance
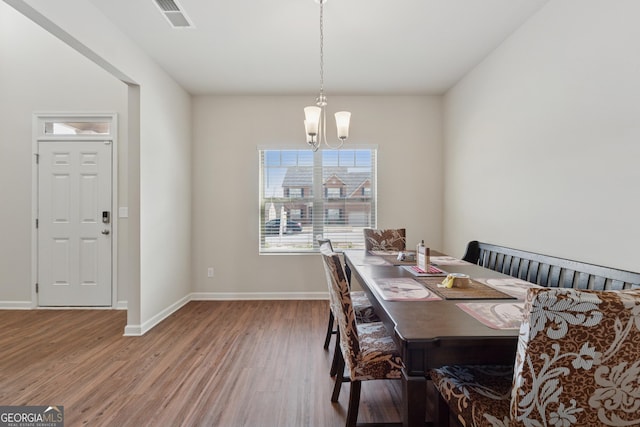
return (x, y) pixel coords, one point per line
(331, 193)
(297, 193)
(333, 214)
(316, 202)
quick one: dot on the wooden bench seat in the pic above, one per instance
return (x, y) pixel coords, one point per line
(549, 271)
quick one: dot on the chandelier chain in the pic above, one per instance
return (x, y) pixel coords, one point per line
(315, 116)
(321, 49)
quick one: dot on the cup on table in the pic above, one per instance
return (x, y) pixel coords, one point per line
(457, 280)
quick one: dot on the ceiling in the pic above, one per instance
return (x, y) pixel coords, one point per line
(272, 47)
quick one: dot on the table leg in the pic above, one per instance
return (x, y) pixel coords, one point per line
(414, 400)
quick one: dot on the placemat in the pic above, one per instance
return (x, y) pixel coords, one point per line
(403, 289)
(373, 261)
(496, 315)
(475, 290)
(513, 286)
(447, 260)
(393, 259)
(383, 253)
(416, 271)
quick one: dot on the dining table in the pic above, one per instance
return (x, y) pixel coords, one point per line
(434, 326)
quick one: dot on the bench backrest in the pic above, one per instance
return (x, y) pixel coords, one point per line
(548, 270)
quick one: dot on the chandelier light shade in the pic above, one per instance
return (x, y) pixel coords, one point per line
(342, 123)
(315, 117)
(312, 120)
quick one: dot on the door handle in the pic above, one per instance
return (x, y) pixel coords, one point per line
(105, 231)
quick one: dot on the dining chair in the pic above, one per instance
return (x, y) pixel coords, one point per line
(366, 349)
(472, 254)
(577, 363)
(391, 239)
(362, 307)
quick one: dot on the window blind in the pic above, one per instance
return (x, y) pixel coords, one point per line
(329, 193)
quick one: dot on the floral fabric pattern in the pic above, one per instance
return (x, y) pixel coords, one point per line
(385, 240)
(361, 305)
(362, 308)
(480, 394)
(369, 352)
(576, 365)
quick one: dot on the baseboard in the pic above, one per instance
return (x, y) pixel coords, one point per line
(16, 305)
(138, 330)
(149, 324)
(132, 331)
(28, 305)
(228, 296)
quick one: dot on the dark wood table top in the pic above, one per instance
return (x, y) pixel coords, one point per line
(433, 333)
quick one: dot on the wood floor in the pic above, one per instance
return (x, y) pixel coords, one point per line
(212, 363)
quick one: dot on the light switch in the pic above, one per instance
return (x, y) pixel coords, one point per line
(123, 212)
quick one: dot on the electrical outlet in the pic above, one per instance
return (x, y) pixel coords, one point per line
(210, 272)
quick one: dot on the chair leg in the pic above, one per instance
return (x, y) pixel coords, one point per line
(354, 404)
(337, 385)
(437, 407)
(337, 354)
(330, 330)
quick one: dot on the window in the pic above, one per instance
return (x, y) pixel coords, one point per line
(54, 127)
(295, 193)
(296, 184)
(333, 216)
(334, 193)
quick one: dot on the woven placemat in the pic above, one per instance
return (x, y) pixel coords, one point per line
(475, 290)
(393, 260)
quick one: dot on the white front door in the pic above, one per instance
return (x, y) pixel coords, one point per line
(74, 223)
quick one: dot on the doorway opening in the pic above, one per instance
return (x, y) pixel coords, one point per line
(74, 199)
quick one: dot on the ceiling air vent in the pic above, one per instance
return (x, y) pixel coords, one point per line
(173, 13)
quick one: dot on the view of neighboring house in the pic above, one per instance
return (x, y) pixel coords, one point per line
(346, 195)
(326, 193)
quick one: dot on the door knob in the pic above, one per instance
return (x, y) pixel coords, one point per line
(105, 231)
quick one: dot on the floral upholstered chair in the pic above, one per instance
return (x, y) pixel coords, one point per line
(577, 364)
(366, 349)
(361, 306)
(392, 239)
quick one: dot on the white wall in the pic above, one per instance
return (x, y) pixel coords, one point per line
(165, 198)
(159, 182)
(227, 132)
(543, 138)
(40, 73)
(541, 152)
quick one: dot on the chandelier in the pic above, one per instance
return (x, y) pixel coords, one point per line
(315, 123)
